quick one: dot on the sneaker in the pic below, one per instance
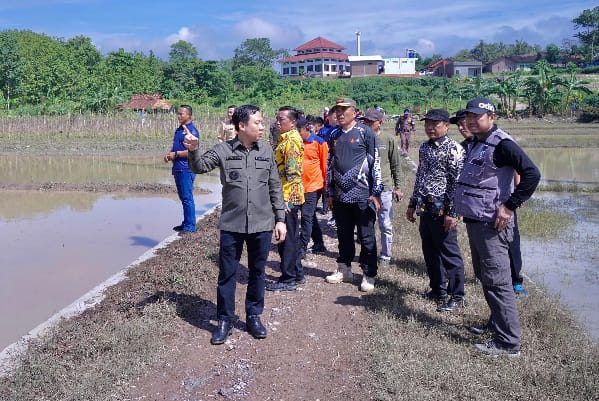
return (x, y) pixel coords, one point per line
(281, 286)
(520, 290)
(342, 275)
(178, 228)
(384, 262)
(492, 348)
(451, 305)
(332, 223)
(433, 296)
(320, 249)
(367, 284)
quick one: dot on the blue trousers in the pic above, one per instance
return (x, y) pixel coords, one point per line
(231, 245)
(184, 182)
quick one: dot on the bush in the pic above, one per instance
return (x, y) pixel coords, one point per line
(592, 69)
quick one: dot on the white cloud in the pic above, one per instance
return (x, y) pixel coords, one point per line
(279, 36)
(184, 33)
(425, 47)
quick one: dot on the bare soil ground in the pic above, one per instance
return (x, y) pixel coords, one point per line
(314, 349)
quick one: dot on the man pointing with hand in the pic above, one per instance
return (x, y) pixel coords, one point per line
(252, 204)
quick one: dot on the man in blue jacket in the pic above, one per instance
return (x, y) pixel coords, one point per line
(184, 178)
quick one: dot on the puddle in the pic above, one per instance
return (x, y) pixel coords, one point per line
(569, 266)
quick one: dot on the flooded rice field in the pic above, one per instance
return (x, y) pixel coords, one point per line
(59, 245)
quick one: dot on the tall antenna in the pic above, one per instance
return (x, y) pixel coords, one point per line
(357, 43)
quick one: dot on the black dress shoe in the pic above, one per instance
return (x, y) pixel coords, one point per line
(224, 330)
(255, 327)
(452, 305)
(482, 330)
(178, 228)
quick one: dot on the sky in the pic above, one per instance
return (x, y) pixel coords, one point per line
(216, 28)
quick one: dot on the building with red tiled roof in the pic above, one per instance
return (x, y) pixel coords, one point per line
(317, 58)
(146, 102)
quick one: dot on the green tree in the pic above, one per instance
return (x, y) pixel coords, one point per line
(50, 73)
(575, 89)
(84, 52)
(256, 52)
(588, 25)
(542, 89)
(182, 50)
(11, 65)
(553, 52)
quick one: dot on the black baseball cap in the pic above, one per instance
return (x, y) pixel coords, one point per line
(480, 105)
(436, 115)
(458, 116)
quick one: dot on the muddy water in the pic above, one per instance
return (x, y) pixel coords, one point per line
(569, 266)
(575, 165)
(57, 246)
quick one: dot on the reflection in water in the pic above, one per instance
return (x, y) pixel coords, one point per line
(569, 266)
(58, 246)
(578, 165)
(84, 169)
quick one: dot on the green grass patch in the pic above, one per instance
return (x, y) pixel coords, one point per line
(541, 220)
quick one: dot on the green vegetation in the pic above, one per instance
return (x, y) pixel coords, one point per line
(539, 219)
(40, 75)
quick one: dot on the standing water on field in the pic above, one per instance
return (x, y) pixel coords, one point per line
(56, 246)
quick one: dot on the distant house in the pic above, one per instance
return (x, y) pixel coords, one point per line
(448, 67)
(513, 63)
(400, 67)
(365, 66)
(317, 58)
(145, 102)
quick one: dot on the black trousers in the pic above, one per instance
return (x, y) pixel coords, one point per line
(349, 216)
(309, 222)
(442, 256)
(289, 250)
(231, 245)
(516, 254)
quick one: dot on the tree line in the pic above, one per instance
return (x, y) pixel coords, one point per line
(44, 75)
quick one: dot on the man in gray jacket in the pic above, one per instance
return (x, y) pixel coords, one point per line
(486, 198)
(252, 204)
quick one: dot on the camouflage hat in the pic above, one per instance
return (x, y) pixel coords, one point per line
(344, 102)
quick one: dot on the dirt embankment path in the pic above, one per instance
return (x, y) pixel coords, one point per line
(314, 349)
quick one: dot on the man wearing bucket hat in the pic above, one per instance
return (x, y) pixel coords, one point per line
(440, 162)
(354, 188)
(486, 198)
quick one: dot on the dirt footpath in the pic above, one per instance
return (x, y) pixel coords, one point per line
(314, 349)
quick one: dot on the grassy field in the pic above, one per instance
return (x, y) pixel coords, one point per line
(413, 352)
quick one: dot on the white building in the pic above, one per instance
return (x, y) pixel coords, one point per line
(317, 58)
